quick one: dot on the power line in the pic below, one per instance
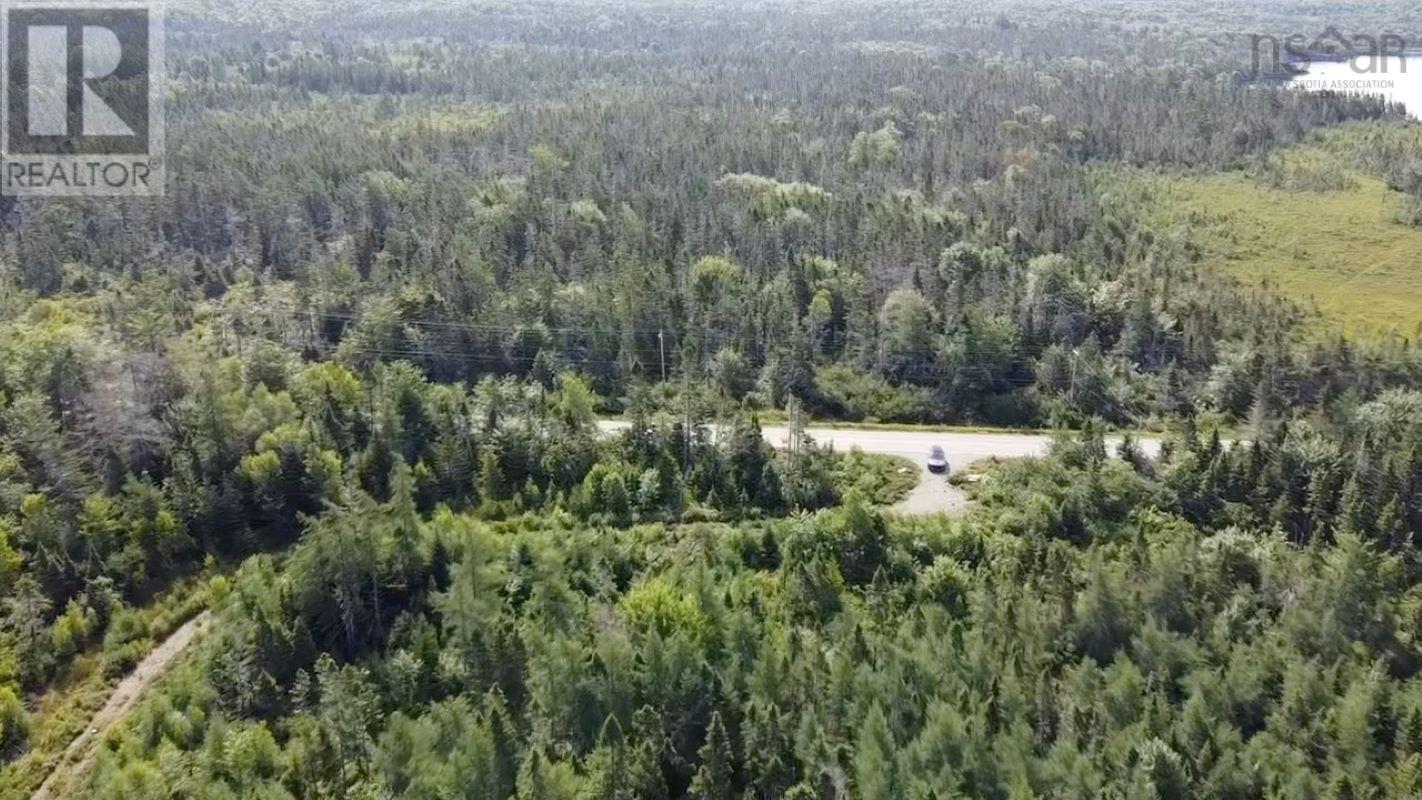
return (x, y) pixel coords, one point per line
(926, 372)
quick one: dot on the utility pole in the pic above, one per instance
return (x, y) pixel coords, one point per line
(686, 400)
(796, 427)
(662, 347)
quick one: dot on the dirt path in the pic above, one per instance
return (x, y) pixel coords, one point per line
(79, 757)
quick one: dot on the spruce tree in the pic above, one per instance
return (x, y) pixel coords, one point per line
(714, 778)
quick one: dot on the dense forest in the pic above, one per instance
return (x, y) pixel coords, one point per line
(1104, 627)
(345, 385)
(885, 215)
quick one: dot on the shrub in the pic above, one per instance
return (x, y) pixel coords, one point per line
(126, 642)
(849, 394)
(14, 723)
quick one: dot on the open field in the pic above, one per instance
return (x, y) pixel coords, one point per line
(1341, 249)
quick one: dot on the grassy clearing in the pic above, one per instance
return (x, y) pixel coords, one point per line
(885, 480)
(1313, 227)
(976, 475)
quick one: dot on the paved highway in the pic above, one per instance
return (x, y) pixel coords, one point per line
(933, 494)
